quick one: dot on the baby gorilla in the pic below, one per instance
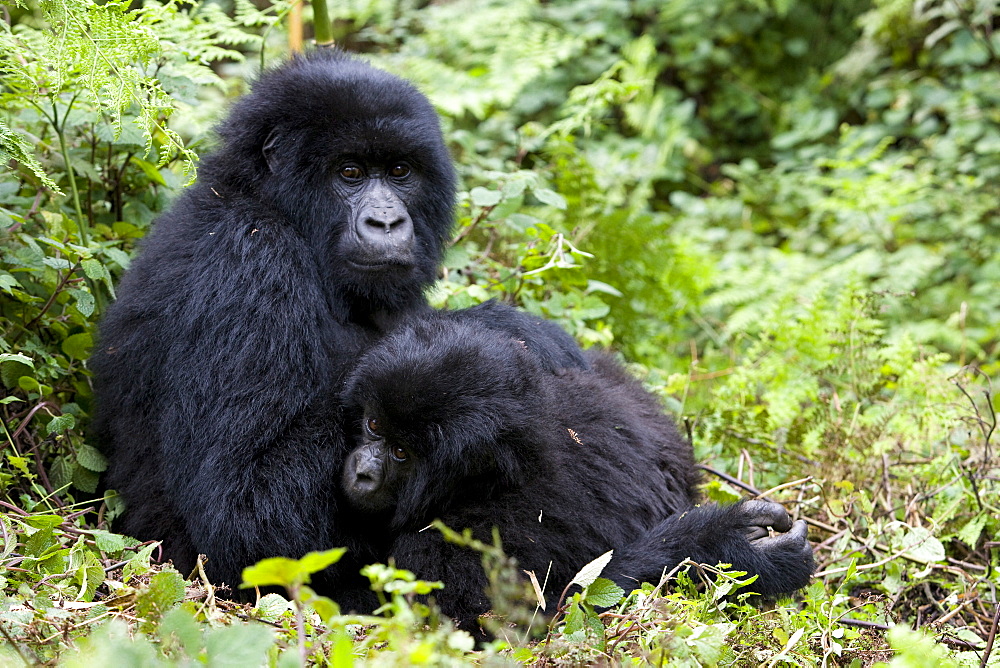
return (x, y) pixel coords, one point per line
(463, 424)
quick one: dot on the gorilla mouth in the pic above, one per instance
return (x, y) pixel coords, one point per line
(380, 265)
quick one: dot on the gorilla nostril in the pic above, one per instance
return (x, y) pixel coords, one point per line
(386, 223)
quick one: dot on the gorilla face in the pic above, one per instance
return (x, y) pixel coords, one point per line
(449, 414)
(376, 471)
(380, 231)
(404, 473)
(354, 158)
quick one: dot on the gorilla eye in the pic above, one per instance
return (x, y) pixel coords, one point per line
(399, 454)
(350, 172)
(371, 424)
(399, 170)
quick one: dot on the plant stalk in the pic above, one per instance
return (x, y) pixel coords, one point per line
(322, 26)
(71, 175)
(81, 224)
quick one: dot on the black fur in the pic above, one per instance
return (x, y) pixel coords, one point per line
(567, 466)
(219, 369)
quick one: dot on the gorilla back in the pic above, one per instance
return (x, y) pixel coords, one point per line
(320, 219)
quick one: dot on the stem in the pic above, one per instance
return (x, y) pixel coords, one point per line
(84, 237)
(295, 27)
(992, 638)
(322, 27)
(80, 222)
(300, 626)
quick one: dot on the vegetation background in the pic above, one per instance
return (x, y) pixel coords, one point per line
(784, 213)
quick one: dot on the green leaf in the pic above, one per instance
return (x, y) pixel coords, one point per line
(550, 197)
(485, 198)
(916, 649)
(119, 256)
(166, 589)
(314, 562)
(29, 384)
(114, 503)
(38, 542)
(276, 571)
(603, 593)
(139, 564)
(94, 270)
(852, 568)
(150, 170)
(19, 463)
(238, 646)
(84, 302)
(917, 543)
(324, 607)
(969, 534)
(107, 541)
(12, 370)
(600, 286)
(574, 617)
(89, 574)
(342, 654)
(180, 624)
(514, 188)
(589, 573)
(17, 357)
(60, 423)
(42, 521)
(91, 458)
(272, 606)
(78, 346)
(85, 480)
(289, 573)
(721, 492)
(61, 472)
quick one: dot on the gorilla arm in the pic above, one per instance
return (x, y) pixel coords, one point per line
(711, 534)
(246, 434)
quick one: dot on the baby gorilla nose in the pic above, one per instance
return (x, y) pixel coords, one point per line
(363, 473)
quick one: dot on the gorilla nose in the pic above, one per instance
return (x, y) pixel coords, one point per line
(385, 226)
(384, 220)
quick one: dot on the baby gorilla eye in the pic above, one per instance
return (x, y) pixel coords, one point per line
(399, 170)
(371, 424)
(399, 454)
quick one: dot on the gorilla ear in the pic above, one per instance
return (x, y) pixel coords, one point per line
(270, 144)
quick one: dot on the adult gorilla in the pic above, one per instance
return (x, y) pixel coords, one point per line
(316, 225)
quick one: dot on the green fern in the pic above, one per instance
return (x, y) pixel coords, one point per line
(115, 60)
(500, 51)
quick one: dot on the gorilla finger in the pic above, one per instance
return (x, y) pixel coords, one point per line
(799, 534)
(795, 540)
(767, 513)
(756, 533)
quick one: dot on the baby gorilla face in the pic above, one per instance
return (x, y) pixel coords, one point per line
(448, 417)
(376, 471)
